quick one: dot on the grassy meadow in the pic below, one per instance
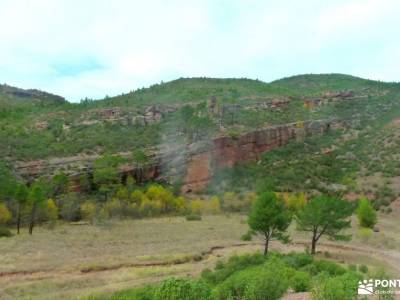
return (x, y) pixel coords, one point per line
(81, 261)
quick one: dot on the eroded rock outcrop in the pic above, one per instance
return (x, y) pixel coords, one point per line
(227, 151)
(194, 164)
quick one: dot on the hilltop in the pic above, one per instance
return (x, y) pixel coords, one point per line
(237, 119)
(13, 96)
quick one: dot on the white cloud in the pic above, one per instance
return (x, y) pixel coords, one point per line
(97, 47)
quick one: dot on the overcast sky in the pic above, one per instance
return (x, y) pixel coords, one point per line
(90, 48)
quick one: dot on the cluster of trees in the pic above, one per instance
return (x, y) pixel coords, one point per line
(151, 201)
(104, 196)
(27, 204)
(195, 123)
(323, 215)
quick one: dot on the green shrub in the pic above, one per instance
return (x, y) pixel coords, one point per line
(342, 287)
(178, 289)
(300, 281)
(5, 232)
(193, 217)
(267, 282)
(328, 267)
(363, 268)
(234, 264)
(366, 214)
(298, 260)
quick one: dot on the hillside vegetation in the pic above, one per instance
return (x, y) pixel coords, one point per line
(161, 181)
(41, 125)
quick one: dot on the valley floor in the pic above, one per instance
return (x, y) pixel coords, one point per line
(75, 261)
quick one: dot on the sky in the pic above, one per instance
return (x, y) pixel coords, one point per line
(93, 48)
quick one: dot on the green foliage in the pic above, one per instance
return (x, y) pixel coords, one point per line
(88, 211)
(366, 214)
(37, 199)
(21, 194)
(255, 277)
(324, 266)
(324, 215)
(363, 269)
(105, 173)
(59, 184)
(300, 281)
(7, 182)
(269, 281)
(342, 287)
(298, 260)
(37, 193)
(177, 289)
(5, 214)
(5, 232)
(234, 264)
(51, 211)
(270, 218)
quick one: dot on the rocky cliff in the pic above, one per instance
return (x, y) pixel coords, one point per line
(227, 151)
(194, 164)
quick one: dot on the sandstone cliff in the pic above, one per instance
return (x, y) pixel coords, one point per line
(194, 164)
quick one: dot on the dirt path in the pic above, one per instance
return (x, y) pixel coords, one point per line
(96, 280)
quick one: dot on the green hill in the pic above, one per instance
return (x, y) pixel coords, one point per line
(37, 125)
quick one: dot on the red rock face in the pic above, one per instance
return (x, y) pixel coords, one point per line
(198, 166)
(198, 172)
(227, 151)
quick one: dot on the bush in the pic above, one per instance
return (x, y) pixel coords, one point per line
(298, 260)
(320, 266)
(5, 214)
(88, 211)
(178, 289)
(51, 211)
(150, 208)
(332, 288)
(234, 264)
(5, 232)
(363, 268)
(261, 282)
(196, 206)
(213, 205)
(163, 197)
(366, 214)
(193, 217)
(300, 281)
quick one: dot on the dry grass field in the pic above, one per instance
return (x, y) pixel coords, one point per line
(75, 261)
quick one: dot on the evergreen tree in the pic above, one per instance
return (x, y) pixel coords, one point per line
(324, 215)
(270, 218)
